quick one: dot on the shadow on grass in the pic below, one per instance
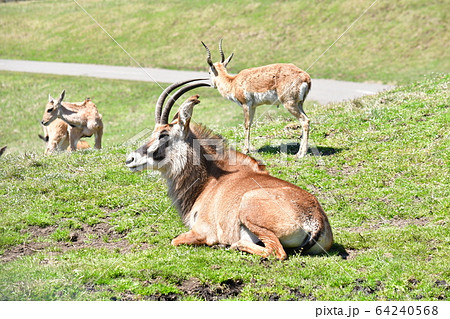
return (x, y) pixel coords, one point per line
(336, 250)
(339, 250)
(292, 149)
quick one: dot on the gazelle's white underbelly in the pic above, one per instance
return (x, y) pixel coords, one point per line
(259, 98)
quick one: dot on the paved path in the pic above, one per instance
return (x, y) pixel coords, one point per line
(323, 91)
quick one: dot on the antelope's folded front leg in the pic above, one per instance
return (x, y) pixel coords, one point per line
(189, 238)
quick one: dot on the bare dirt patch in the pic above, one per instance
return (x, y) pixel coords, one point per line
(190, 287)
(226, 289)
(99, 236)
(362, 286)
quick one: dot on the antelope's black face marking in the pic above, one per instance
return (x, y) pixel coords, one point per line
(163, 142)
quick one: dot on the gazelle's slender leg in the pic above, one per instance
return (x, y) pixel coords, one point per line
(297, 111)
(249, 114)
(98, 138)
(305, 133)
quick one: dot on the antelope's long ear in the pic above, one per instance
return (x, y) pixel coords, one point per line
(61, 97)
(185, 112)
(45, 139)
(228, 60)
(50, 99)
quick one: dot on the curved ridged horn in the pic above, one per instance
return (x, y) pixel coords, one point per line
(208, 59)
(176, 96)
(222, 56)
(164, 95)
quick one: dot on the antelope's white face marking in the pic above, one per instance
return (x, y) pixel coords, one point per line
(165, 151)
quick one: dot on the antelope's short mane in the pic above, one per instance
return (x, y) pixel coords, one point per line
(202, 132)
(79, 105)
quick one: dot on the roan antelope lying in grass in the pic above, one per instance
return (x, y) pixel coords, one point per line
(271, 84)
(56, 137)
(83, 119)
(224, 196)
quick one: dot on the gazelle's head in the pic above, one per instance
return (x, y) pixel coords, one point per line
(168, 147)
(51, 109)
(215, 69)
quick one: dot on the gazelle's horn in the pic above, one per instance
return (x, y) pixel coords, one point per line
(176, 96)
(164, 95)
(208, 58)
(222, 56)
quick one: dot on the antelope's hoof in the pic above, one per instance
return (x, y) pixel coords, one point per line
(252, 149)
(234, 246)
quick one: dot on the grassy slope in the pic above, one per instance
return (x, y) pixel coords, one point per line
(382, 179)
(394, 42)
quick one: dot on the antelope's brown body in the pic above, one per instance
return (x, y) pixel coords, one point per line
(226, 197)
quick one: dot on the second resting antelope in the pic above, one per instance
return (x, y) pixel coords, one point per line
(56, 137)
(226, 197)
(271, 84)
(83, 119)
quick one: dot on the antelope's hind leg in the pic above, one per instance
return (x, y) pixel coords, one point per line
(305, 136)
(271, 242)
(299, 113)
(98, 138)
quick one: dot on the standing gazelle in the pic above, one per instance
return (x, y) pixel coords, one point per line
(83, 119)
(271, 84)
(224, 196)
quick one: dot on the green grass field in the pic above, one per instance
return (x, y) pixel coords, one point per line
(81, 226)
(394, 42)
